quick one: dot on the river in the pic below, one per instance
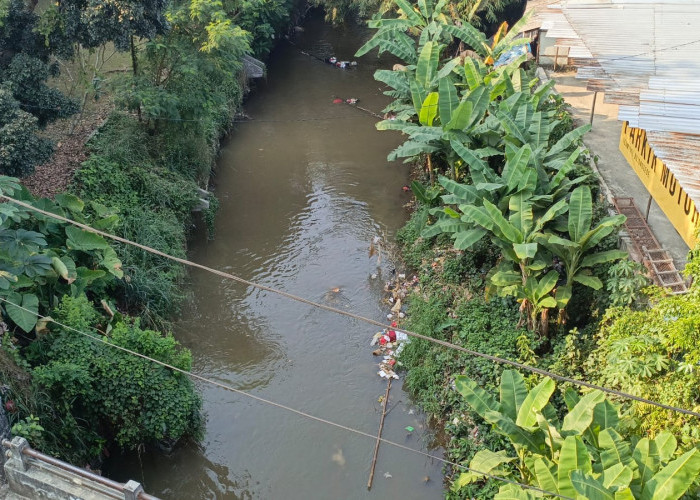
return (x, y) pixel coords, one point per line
(304, 188)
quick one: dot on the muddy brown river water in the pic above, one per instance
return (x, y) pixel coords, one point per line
(304, 187)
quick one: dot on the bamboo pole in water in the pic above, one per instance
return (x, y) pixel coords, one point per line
(379, 436)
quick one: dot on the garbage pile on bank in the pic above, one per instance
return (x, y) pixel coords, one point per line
(389, 343)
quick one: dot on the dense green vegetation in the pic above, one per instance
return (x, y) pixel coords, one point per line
(516, 253)
(516, 258)
(26, 102)
(65, 392)
(581, 455)
(485, 15)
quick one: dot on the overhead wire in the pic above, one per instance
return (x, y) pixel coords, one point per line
(275, 404)
(449, 345)
(649, 52)
(250, 120)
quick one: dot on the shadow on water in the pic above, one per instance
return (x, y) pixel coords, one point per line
(304, 187)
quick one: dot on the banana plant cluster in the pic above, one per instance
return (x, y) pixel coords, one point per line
(433, 102)
(582, 456)
(532, 217)
(42, 259)
(493, 131)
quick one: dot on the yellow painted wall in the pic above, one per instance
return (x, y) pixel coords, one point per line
(661, 183)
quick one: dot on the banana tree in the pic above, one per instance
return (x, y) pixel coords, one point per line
(575, 251)
(443, 118)
(502, 42)
(523, 123)
(583, 456)
(520, 272)
(425, 20)
(519, 182)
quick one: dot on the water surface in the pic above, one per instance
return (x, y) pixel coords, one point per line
(304, 187)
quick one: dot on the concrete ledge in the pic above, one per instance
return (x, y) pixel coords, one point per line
(33, 475)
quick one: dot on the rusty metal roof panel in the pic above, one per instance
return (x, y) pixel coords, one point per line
(645, 56)
(680, 153)
(641, 45)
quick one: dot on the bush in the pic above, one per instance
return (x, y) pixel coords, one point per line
(93, 402)
(154, 204)
(20, 148)
(26, 76)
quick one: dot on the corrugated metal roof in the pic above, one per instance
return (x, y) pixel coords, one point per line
(645, 56)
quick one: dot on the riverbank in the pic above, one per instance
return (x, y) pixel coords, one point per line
(304, 188)
(450, 304)
(131, 163)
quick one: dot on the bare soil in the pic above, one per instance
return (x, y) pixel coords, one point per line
(55, 176)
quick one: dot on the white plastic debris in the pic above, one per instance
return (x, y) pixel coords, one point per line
(387, 475)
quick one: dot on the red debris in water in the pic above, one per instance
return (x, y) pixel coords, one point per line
(337, 101)
(406, 189)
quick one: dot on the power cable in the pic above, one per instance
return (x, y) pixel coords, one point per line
(649, 52)
(280, 405)
(251, 120)
(449, 345)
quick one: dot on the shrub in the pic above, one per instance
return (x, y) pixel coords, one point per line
(20, 148)
(93, 402)
(154, 204)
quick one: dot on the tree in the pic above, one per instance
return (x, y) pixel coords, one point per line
(429, 90)
(18, 33)
(575, 251)
(89, 394)
(91, 23)
(20, 148)
(26, 102)
(26, 77)
(582, 456)
(515, 209)
(488, 15)
(190, 74)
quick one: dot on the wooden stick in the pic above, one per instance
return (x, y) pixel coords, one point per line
(379, 436)
(368, 111)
